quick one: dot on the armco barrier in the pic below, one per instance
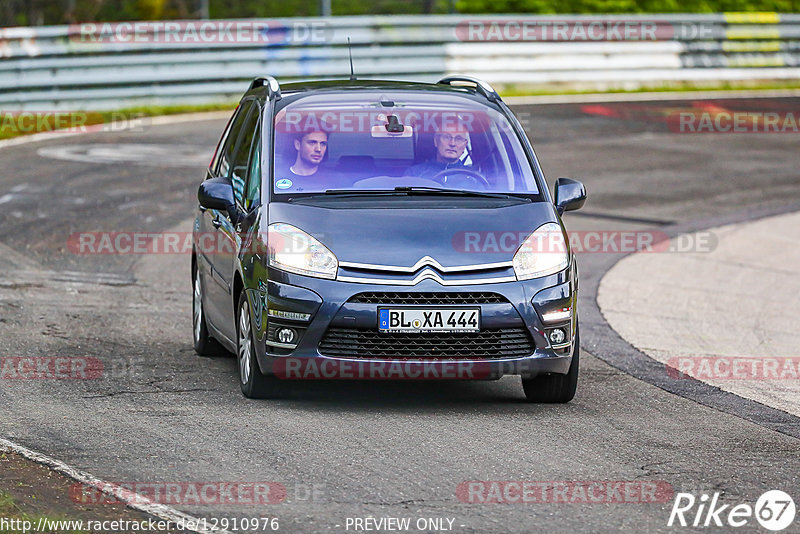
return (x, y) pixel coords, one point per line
(100, 67)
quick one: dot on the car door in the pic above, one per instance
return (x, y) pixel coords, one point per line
(205, 226)
(254, 249)
(246, 180)
(232, 166)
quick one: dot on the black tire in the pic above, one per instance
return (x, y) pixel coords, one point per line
(204, 344)
(254, 384)
(555, 388)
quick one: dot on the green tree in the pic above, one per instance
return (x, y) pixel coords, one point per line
(38, 12)
(621, 6)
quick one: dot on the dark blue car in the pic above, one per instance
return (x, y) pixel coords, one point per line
(384, 230)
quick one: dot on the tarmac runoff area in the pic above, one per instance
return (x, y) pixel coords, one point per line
(729, 316)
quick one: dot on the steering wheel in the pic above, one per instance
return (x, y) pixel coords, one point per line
(461, 170)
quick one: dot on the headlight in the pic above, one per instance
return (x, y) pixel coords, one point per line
(543, 252)
(293, 250)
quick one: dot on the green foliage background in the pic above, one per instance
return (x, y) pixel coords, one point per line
(38, 12)
(622, 6)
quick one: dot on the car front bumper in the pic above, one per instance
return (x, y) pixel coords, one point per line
(340, 338)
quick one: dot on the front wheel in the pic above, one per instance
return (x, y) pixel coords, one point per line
(254, 384)
(555, 388)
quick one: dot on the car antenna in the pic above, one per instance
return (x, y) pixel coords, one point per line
(350, 51)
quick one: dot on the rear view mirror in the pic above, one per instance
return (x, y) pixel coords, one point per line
(570, 195)
(392, 128)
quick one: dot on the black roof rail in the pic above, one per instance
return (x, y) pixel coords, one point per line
(273, 87)
(482, 87)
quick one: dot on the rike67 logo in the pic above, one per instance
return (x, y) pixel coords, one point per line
(774, 510)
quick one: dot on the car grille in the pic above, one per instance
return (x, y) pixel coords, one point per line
(488, 344)
(440, 298)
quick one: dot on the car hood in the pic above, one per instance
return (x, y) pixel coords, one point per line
(401, 237)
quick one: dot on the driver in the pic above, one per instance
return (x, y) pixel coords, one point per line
(451, 144)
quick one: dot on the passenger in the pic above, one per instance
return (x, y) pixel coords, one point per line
(305, 173)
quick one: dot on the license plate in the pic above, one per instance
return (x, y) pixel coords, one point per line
(421, 320)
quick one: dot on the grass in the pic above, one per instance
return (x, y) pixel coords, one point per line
(11, 510)
(13, 124)
(509, 90)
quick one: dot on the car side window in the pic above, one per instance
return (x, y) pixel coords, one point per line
(226, 157)
(221, 143)
(254, 172)
(240, 159)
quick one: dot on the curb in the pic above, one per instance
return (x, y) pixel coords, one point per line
(610, 347)
(131, 499)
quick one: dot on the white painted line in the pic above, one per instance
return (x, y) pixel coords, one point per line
(649, 97)
(131, 499)
(158, 120)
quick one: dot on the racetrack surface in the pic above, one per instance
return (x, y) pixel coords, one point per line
(161, 414)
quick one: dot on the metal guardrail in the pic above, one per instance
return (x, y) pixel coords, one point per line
(96, 66)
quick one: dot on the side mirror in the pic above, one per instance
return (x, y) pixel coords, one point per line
(570, 195)
(216, 194)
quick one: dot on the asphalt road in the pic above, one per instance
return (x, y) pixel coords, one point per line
(348, 450)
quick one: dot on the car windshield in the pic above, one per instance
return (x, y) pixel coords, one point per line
(378, 141)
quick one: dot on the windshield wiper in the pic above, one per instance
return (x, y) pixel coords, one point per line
(363, 192)
(458, 192)
(423, 190)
